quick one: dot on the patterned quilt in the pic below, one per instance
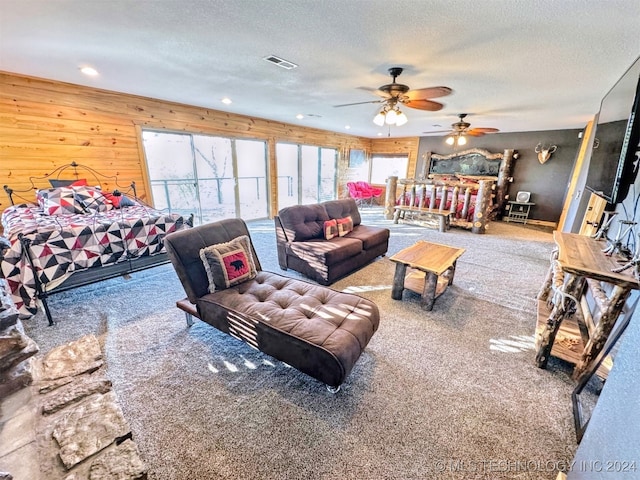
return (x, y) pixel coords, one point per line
(63, 244)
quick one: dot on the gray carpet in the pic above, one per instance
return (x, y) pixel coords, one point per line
(452, 393)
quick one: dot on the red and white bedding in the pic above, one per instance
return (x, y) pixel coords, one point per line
(61, 244)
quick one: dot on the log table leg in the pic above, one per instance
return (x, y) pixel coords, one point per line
(451, 273)
(429, 293)
(572, 288)
(605, 325)
(442, 223)
(398, 281)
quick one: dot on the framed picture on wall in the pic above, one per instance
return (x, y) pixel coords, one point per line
(357, 158)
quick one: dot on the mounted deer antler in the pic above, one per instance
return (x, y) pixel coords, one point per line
(544, 153)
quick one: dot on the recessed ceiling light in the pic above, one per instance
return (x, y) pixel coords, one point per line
(90, 71)
(379, 134)
(226, 101)
(347, 127)
(299, 116)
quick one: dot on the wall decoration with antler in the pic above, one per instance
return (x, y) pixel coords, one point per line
(544, 152)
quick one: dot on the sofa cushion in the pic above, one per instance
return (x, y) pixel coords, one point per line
(345, 207)
(370, 236)
(320, 331)
(327, 252)
(228, 263)
(303, 222)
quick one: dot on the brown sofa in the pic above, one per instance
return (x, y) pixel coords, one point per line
(317, 330)
(303, 248)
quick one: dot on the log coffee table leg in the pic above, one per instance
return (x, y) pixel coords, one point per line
(429, 292)
(398, 281)
(452, 272)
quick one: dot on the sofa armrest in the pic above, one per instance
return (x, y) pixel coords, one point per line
(281, 243)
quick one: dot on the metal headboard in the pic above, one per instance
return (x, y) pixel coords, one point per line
(77, 171)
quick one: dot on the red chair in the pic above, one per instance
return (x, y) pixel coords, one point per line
(373, 192)
(357, 194)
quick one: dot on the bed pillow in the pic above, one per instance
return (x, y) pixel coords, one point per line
(59, 201)
(56, 183)
(330, 229)
(228, 264)
(345, 225)
(120, 201)
(92, 199)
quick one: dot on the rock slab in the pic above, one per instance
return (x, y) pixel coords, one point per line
(89, 427)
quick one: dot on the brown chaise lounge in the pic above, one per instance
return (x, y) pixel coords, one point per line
(317, 330)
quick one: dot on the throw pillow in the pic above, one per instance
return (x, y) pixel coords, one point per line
(330, 229)
(60, 201)
(56, 182)
(92, 199)
(345, 225)
(119, 200)
(228, 264)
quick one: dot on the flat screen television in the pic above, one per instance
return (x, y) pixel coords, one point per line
(616, 154)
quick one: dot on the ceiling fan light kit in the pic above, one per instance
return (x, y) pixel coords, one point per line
(456, 140)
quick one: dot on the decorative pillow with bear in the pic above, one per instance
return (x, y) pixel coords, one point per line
(330, 229)
(228, 264)
(345, 225)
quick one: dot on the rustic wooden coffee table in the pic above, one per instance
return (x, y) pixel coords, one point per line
(432, 267)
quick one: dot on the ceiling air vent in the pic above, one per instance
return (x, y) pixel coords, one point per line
(280, 62)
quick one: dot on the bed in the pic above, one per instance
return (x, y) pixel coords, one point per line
(470, 186)
(84, 229)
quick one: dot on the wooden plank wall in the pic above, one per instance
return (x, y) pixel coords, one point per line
(45, 124)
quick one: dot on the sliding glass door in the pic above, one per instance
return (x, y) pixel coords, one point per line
(306, 174)
(213, 177)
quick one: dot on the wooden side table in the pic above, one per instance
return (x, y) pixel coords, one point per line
(433, 266)
(581, 266)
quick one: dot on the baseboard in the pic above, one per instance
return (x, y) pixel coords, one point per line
(531, 221)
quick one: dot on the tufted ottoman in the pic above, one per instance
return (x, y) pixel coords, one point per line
(318, 330)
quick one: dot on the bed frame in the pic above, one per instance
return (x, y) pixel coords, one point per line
(91, 275)
(472, 173)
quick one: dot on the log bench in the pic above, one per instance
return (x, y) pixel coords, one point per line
(424, 216)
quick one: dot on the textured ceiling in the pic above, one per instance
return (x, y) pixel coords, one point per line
(516, 65)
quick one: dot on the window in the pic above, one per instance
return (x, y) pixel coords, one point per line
(385, 166)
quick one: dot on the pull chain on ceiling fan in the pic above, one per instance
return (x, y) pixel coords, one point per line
(395, 94)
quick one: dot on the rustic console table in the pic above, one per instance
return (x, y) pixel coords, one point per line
(580, 289)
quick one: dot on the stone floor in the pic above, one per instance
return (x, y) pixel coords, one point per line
(18, 453)
(67, 425)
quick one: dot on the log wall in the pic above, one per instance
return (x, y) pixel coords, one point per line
(45, 124)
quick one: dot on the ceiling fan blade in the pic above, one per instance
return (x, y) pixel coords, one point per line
(359, 103)
(484, 130)
(473, 133)
(430, 92)
(422, 104)
(437, 132)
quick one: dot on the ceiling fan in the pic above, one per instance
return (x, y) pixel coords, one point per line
(395, 94)
(460, 129)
